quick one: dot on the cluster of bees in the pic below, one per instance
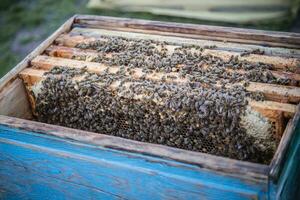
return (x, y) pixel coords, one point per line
(198, 114)
(185, 59)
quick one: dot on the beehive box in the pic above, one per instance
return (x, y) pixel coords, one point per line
(189, 111)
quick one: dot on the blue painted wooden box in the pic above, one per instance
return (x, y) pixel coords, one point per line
(43, 161)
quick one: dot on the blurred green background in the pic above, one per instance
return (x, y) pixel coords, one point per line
(24, 24)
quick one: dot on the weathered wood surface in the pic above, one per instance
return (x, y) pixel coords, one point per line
(246, 173)
(274, 111)
(269, 109)
(247, 36)
(281, 152)
(276, 56)
(14, 102)
(37, 166)
(221, 45)
(286, 168)
(236, 168)
(11, 75)
(273, 92)
(283, 64)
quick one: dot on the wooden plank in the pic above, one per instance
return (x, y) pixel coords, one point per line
(273, 111)
(12, 74)
(234, 168)
(247, 36)
(66, 52)
(13, 100)
(273, 92)
(268, 109)
(32, 76)
(279, 156)
(78, 36)
(221, 45)
(289, 173)
(276, 113)
(279, 63)
(94, 172)
(224, 165)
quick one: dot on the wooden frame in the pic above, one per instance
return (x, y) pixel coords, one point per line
(236, 168)
(280, 154)
(39, 165)
(253, 40)
(215, 33)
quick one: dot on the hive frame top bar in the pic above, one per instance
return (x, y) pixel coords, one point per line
(222, 165)
(208, 32)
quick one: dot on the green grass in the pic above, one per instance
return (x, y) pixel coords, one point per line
(27, 39)
(47, 15)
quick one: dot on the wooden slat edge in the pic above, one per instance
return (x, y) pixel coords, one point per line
(278, 158)
(280, 93)
(38, 50)
(241, 169)
(31, 76)
(70, 52)
(222, 45)
(14, 102)
(263, 106)
(274, 92)
(268, 109)
(280, 63)
(270, 38)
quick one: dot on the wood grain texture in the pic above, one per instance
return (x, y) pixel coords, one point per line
(247, 36)
(281, 152)
(287, 184)
(14, 102)
(269, 109)
(223, 50)
(73, 163)
(274, 111)
(184, 39)
(273, 92)
(32, 165)
(242, 169)
(283, 64)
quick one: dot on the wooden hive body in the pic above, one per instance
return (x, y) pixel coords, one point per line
(112, 167)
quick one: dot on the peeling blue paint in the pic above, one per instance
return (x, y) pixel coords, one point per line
(288, 187)
(36, 166)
